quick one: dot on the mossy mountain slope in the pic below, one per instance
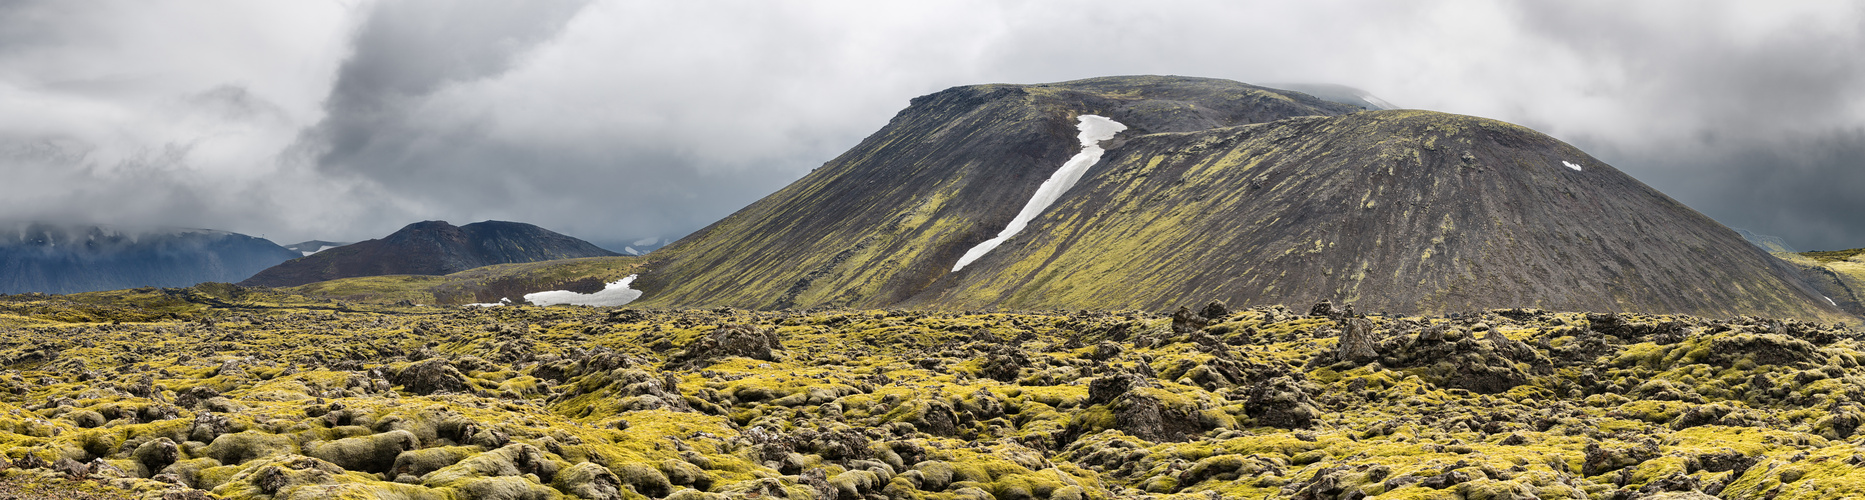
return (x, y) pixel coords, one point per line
(1408, 211)
(1839, 275)
(430, 248)
(879, 223)
(1221, 190)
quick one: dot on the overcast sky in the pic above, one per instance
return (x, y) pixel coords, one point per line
(616, 121)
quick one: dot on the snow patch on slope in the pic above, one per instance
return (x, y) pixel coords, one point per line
(1571, 165)
(1829, 300)
(308, 253)
(1094, 129)
(614, 294)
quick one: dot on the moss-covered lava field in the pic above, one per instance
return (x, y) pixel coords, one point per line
(217, 391)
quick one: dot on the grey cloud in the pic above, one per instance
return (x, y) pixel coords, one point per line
(621, 120)
(1760, 130)
(406, 50)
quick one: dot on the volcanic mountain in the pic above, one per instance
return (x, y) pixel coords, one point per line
(59, 258)
(430, 248)
(1219, 190)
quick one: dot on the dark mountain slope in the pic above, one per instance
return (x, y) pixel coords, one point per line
(879, 223)
(1200, 199)
(430, 248)
(1407, 211)
(53, 258)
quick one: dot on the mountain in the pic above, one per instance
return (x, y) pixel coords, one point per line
(884, 220)
(60, 258)
(430, 248)
(1219, 190)
(313, 246)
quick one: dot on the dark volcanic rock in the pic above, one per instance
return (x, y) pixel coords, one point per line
(430, 248)
(1474, 358)
(430, 376)
(1281, 402)
(1357, 342)
(732, 340)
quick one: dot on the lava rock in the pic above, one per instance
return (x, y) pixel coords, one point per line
(429, 377)
(1281, 402)
(731, 340)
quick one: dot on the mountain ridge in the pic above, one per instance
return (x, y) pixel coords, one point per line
(430, 248)
(67, 258)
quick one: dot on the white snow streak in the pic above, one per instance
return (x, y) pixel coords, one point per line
(1829, 300)
(614, 294)
(1571, 165)
(1094, 129)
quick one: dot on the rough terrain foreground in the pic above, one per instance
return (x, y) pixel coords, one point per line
(1220, 190)
(243, 394)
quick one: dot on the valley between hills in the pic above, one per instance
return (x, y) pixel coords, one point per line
(1254, 293)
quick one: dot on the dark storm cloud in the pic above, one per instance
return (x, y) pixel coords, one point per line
(405, 51)
(1756, 121)
(646, 121)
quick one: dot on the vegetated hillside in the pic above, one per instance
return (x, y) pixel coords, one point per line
(244, 394)
(884, 220)
(430, 248)
(57, 258)
(1839, 275)
(1284, 199)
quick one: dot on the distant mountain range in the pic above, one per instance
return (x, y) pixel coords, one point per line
(64, 258)
(430, 248)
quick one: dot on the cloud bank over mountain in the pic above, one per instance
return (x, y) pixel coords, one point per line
(621, 121)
